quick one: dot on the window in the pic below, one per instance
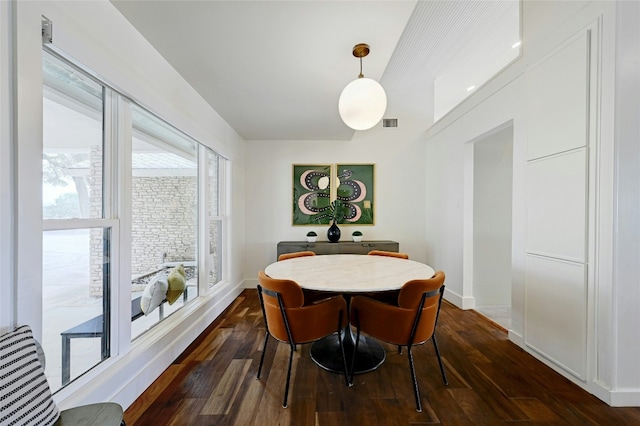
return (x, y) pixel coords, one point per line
(176, 211)
(72, 154)
(215, 179)
(76, 279)
(164, 224)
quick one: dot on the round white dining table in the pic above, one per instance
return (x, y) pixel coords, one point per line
(349, 274)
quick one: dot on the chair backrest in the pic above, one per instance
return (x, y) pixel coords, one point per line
(388, 254)
(285, 256)
(288, 319)
(273, 293)
(26, 396)
(407, 323)
(429, 293)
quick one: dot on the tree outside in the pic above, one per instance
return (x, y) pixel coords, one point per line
(55, 172)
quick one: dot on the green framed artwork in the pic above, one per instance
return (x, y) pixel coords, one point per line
(311, 192)
(322, 192)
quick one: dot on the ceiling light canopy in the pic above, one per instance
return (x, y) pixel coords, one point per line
(363, 102)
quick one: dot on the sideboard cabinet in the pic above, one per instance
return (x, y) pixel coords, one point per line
(341, 247)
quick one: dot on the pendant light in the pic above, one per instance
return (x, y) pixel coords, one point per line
(363, 102)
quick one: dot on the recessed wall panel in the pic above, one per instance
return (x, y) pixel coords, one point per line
(557, 206)
(556, 312)
(557, 107)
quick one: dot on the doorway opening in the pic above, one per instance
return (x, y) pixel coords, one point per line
(492, 230)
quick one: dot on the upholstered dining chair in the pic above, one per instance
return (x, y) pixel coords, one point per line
(389, 296)
(388, 253)
(289, 320)
(309, 295)
(285, 256)
(26, 396)
(412, 322)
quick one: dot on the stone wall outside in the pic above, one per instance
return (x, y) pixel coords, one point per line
(164, 221)
(164, 210)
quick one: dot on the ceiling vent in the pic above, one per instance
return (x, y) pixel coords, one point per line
(389, 122)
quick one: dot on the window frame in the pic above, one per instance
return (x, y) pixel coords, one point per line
(109, 215)
(221, 217)
(117, 212)
(166, 146)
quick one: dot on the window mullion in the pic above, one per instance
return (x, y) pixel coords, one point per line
(204, 239)
(122, 154)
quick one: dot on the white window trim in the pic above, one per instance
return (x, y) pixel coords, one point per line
(7, 189)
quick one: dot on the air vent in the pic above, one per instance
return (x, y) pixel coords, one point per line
(47, 31)
(389, 122)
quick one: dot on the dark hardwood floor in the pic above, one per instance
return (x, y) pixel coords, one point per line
(491, 381)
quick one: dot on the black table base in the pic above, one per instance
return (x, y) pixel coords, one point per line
(326, 353)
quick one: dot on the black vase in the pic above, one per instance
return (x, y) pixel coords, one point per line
(333, 233)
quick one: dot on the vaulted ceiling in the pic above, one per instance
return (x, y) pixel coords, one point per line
(274, 70)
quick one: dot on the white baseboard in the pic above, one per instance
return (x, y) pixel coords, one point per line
(459, 301)
(629, 397)
(625, 398)
(601, 391)
(516, 338)
(253, 283)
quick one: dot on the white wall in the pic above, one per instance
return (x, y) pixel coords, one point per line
(7, 203)
(447, 164)
(98, 37)
(626, 334)
(399, 183)
(610, 341)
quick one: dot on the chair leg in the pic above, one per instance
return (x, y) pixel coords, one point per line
(264, 349)
(286, 389)
(355, 349)
(435, 345)
(416, 391)
(344, 357)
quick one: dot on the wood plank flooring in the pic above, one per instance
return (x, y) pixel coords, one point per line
(491, 382)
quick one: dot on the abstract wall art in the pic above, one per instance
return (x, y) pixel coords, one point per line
(322, 192)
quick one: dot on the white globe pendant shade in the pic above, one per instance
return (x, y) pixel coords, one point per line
(362, 103)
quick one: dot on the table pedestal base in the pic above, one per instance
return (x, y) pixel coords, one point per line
(326, 353)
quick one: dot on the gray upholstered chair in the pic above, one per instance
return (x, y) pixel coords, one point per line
(27, 398)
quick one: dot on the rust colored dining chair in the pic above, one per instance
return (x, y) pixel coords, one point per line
(309, 295)
(389, 296)
(289, 320)
(411, 323)
(388, 253)
(285, 256)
